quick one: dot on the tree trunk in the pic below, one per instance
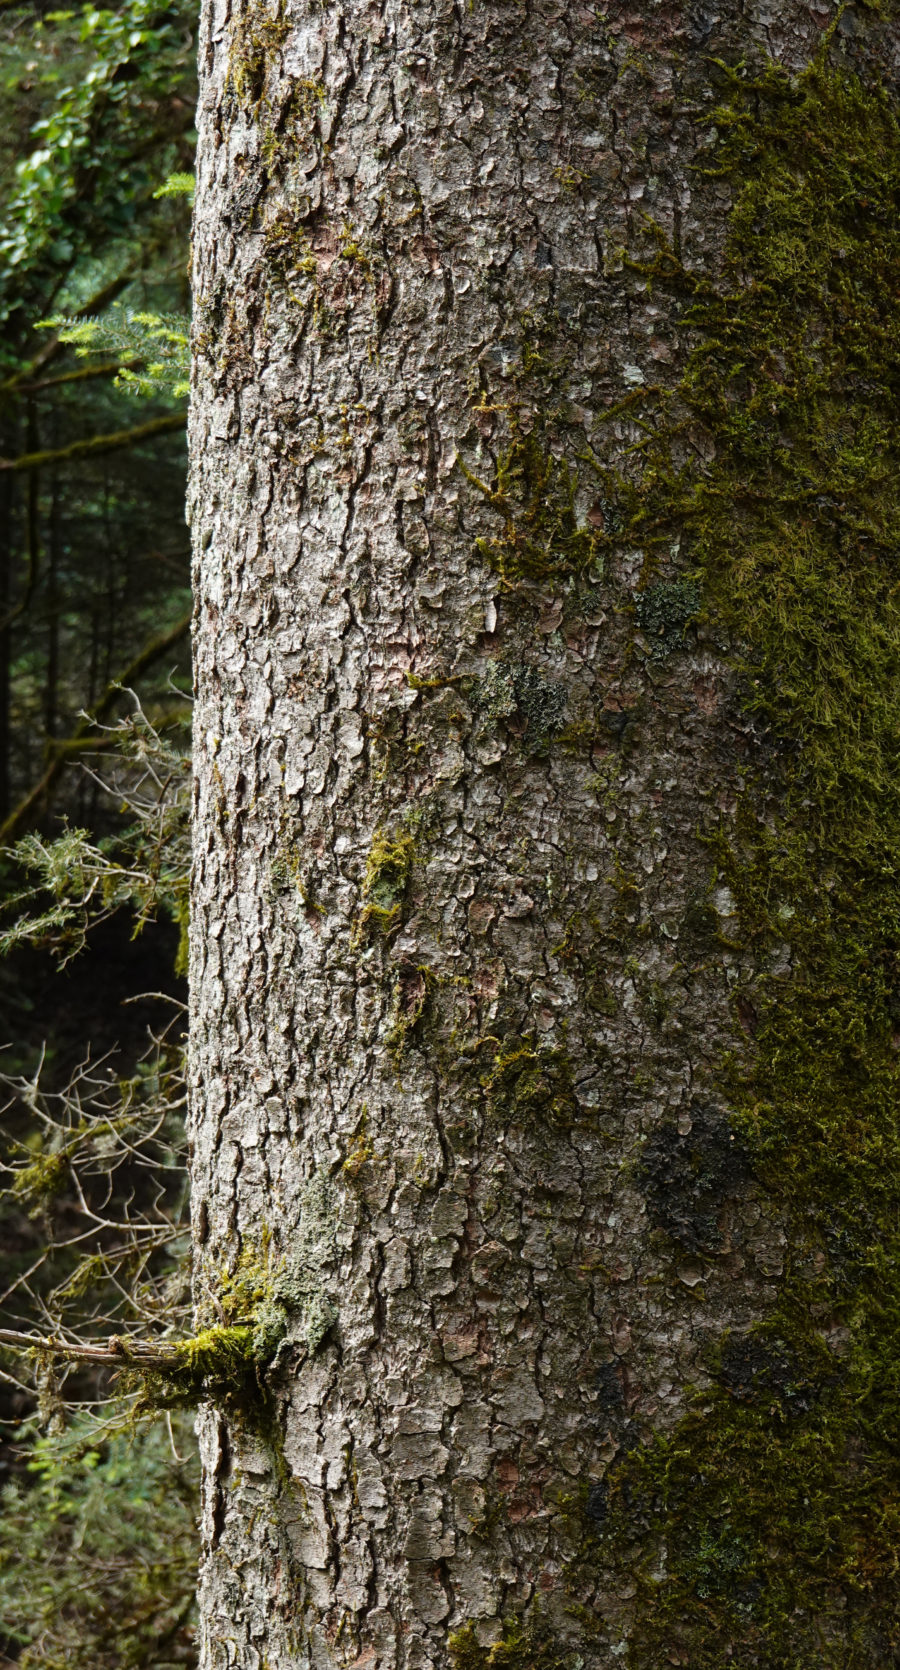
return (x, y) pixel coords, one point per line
(6, 563)
(54, 610)
(482, 780)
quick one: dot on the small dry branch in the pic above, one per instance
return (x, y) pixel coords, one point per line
(117, 1351)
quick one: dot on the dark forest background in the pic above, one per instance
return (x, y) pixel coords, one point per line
(96, 145)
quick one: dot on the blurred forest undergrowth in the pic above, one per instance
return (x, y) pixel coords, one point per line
(97, 1529)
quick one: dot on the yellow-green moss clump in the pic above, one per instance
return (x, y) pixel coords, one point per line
(216, 1354)
(539, 536)
(531, 1085)
(261, 1302)
(259, 37)
(522, 1645)
(778, 1497)
(226, 1361)
(388, 872)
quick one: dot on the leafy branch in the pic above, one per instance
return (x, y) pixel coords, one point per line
(66, 156)
(158, 342)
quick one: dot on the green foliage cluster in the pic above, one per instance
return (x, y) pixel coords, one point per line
(86, 145)
(93, 551)
(159, 343)
(778, 1497)
(98, 1554)
(178, 184)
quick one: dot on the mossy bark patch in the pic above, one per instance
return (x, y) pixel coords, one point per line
(777, 1500)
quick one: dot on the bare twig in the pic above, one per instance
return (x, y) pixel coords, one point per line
(150, 653)
(118, 1350)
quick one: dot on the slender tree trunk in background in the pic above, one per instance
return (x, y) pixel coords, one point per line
(54, 561)
(10, 443)
(472, 754)
(32, 508)
(111, 588)
(6, 493)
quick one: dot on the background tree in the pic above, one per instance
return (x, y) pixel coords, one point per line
(97, 1539)
(101, 111)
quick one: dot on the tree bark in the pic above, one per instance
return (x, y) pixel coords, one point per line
(463, 965)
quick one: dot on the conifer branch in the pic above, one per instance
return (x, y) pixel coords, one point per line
(109, 368)
(95, 445)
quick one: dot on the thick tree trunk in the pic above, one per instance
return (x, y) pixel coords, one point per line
(463, 963)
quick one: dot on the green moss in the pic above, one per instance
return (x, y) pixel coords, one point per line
(288, 253)
(217, 1355)
(412, 988)
(352, 249)
(262, 1303)
(360, 1148)
(285, 130)
(533, 491)
(388, 868)
(531, 1085)
(182, 915)
(284, 109)
(263, 31)
(289, 257)
(778, 1497)
(526, 1643)
(292, 869)
(388, 871)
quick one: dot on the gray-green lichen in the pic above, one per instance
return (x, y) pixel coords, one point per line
(519, 688)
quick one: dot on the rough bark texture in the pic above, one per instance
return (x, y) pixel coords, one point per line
(463, 968)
